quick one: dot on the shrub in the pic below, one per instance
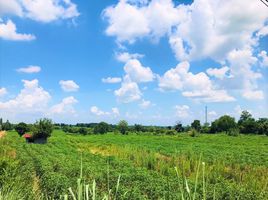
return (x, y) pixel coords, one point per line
(83, 131)
(196, 125)
(233, 132)
(21, 128)
(123, 127)
(171, 132)
(193, 133)
(101, 128)
(43, 128)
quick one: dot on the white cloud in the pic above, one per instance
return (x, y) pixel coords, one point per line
(197, 86)
(40, 10)
(10, 7)
(242, 76)
(126, 22)
(3, 91)
(29, 69)
(8, 31)
(111, 80)
(220, 29)
(137, 72)
(182, 111)
(96, 111)
(264, 58)
(128, 92)
(64, 107)
(125, 56)
(145, 104)
(31, 99)
(253, 94)
(68, 86)
(219, 73)
(212, 113)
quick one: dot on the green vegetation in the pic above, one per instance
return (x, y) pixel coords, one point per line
(21, 128)
(234, 167)
(42, 128)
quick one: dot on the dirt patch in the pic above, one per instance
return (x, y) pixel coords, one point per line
(2, 134)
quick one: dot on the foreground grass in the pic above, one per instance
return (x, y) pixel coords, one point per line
(236, 167)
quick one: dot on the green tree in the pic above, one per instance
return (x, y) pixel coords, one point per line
(178, 127)
(123, 127)
(83, 130)
(225, 123)
(196, 125)
(1, 124)
(7, 126)
(138, 128)
(101, 128)
(21, 128)
(247, 123)
(262, 126)
(43, 128)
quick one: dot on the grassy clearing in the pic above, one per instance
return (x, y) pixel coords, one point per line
(235, 167)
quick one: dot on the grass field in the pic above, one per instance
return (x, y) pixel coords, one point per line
(234, 167)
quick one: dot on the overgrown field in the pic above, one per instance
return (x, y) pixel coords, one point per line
(235, 167)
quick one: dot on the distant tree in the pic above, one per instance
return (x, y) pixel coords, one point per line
(205, 128)
(83, 130)
(225, 123)
(262, 126)
(178, 127)
(43, 128)
(196, 125)
(21, 128)
(123, 127)
(1, 124)
(7, 126)
(101, 128)
(247, 123)
(138, 128)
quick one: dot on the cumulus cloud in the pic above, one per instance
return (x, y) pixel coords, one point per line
(182, 111)
(10, 7)
(219, 73)
(128, 92)
(111, 80)
(264, 58)
(64, 107)
(197, 86)
(3, 91)
(32, 98)
(145, 104)
(40, 10)
(96, 111)
(125, 56)
(8, 31)
(30, 69)
(68, 86)
(137, 72)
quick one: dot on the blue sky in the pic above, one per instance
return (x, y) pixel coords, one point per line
(149, 62)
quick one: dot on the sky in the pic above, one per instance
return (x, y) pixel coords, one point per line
(149, 62)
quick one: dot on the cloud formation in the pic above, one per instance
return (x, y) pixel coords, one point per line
(30, 69)
(69, 86)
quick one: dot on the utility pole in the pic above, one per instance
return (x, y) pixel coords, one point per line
(206, 114)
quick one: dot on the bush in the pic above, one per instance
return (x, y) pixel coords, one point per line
(233, 132)
(43, 128)
(21, 128)
(101, 128)
(83, 131)
(123, 127)
(171, 132)
(193, 133)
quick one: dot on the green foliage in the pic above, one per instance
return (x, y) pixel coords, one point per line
(223, 124)
(123, 127)
(196, 125)
(178, 127)
(42, 128)
(83, 131)
(247, 123)
(22, 128)
(7, 126)
(101, 128)
(170, 132)
(262, 126)
(233, 132)
(193, 133)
